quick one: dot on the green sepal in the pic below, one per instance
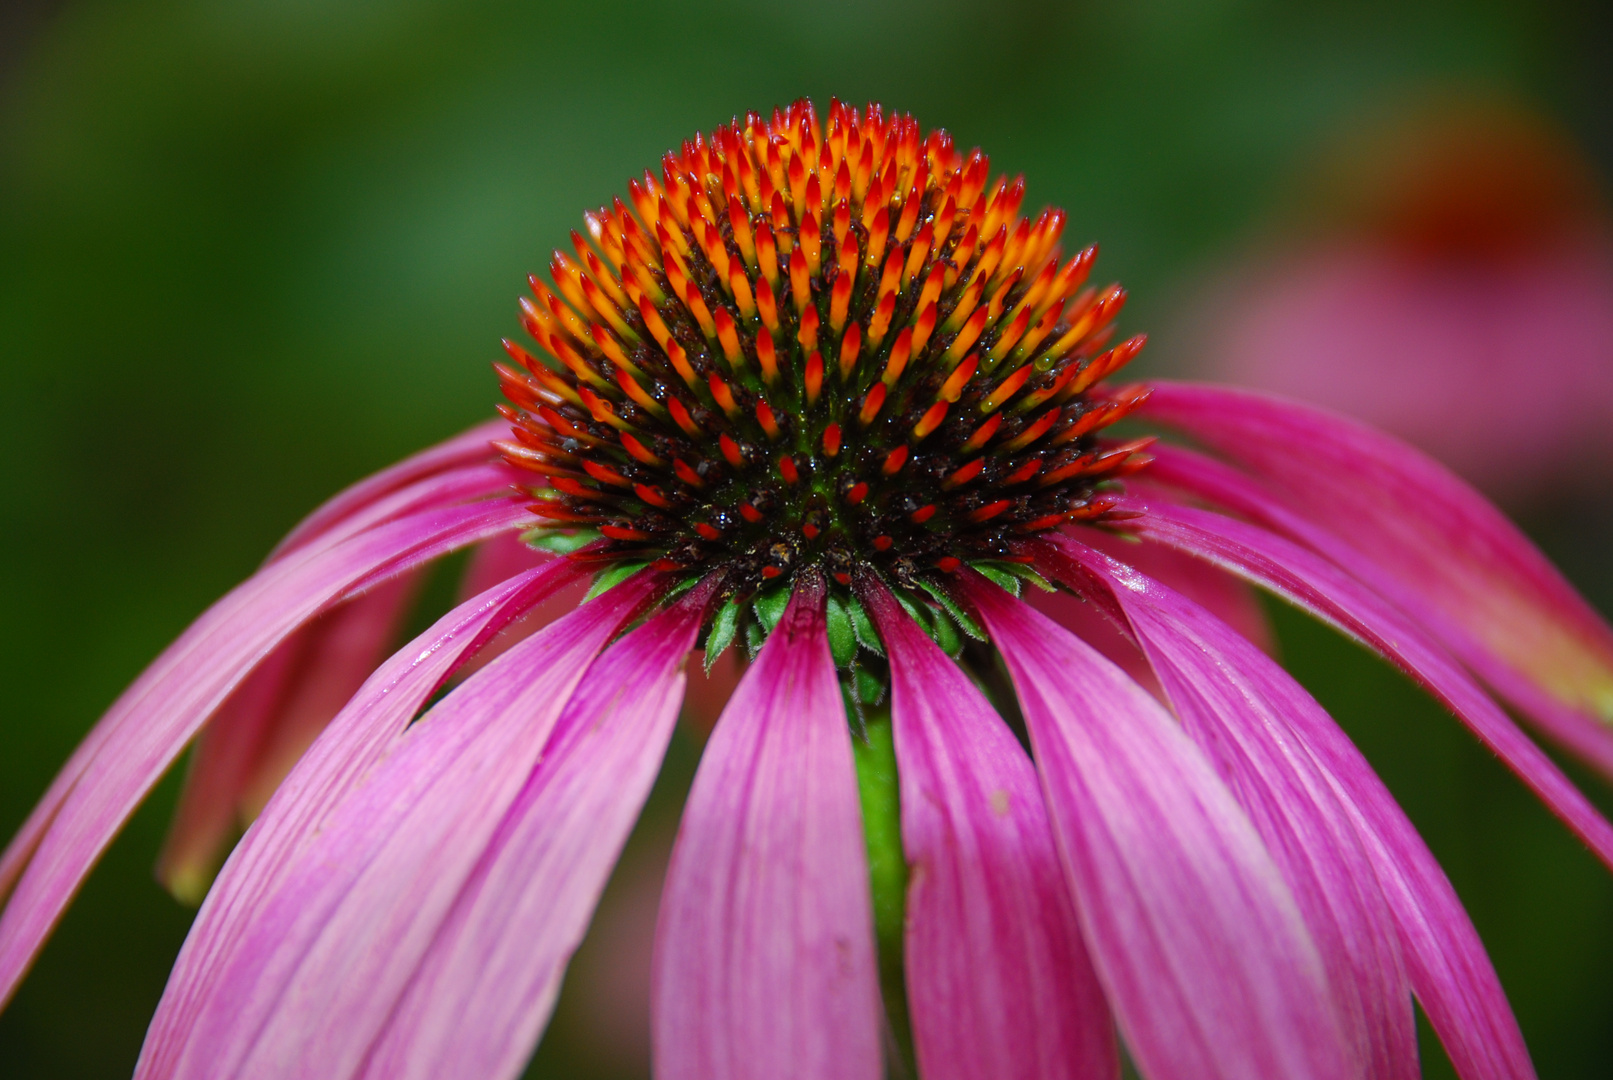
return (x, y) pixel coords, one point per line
(613, 576)
(870, 689)
(994, 573)
(1003, 573)
(842, 635)
(867, 636)
(923, 614)
(944, 632)
(559, 543)
(724, 625)
(755, 637)
(770, 607)
(959, 616)
(679, 589)
(914, 612)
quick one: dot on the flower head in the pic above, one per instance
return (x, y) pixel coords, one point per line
(821, 390)
(818, 346)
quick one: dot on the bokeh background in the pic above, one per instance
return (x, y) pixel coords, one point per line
(251, 250)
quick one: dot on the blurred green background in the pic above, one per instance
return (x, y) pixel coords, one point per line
(251, 250)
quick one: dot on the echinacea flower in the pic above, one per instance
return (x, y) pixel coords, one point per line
(1474, 242)
(822, 394)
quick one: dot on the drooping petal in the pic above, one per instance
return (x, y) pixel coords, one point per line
(499, 559)
(462, 453)
(1202, 477)
(259, 588)
(1226, 596)
(1100, 630)
(266, 724)
(998, 980)
(1198, 941)
(1233, 700)
(503, 557)
(1445, 960)
(321, 964)
(486, 988)
(358, 737)
(1308, 580)
(1411, 529)
(150, 724)
(260, 732)
(764, 950)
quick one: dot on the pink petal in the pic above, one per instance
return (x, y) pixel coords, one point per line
(1330, 594)
(469, 483)
(1444, 958)
(998, 979)
(17, 854)
(357, 738)
(322, 963)
(1226, 596)
(260, 732)
(503, 557)
(1100, 630)
(463, 452)
(1232, 699)
(764, 959)
(1198, 941)
(486, 988)
(1412, 530)
(157, 716)
(500, 559)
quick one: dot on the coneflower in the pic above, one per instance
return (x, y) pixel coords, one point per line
(819, 392)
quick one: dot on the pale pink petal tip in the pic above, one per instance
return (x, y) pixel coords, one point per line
(1319, 586)
(998, 981)
(1421, 537)
(764, 958)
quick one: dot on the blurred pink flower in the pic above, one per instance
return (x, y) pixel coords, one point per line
(1458, 293)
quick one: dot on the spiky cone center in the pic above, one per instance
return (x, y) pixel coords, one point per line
(819, 346)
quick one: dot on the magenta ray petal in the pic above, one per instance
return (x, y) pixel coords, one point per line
(467, 483)
(157, 716)
(1199, 943)
(502, 558)
(464, 451)
(998, 980)
(1445, 961)
(764, 950)
(1203, 477)
(262, 729)
(485, 990)
(1232, 699)
(1226, 596)
(1318, 586)
(357, 738)
(1423, 538)
(259, 588)
(321, 963)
